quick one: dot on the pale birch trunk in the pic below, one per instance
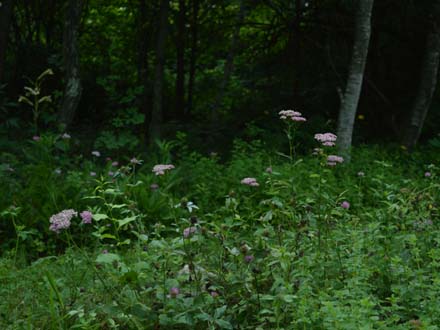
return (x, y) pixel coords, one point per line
(350, 98)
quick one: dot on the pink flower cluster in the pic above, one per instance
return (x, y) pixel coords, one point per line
(160, 168)
(187, 232)
(250, 182)
(291, 115)
(61, 220)
(327, 139)
(86, 217)
(332, 160)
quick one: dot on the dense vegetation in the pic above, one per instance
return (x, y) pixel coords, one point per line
(153, 178)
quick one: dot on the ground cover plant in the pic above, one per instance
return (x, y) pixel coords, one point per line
(185, 241)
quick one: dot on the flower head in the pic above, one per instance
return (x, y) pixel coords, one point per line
(115, 164)
(291, 115)
(427, 174)
(61, 220)
(332, 160)
(269, 170)
(57, 171)
(249, 258)
(96, 153)
(250, 182)
(92, 173)
(36, 138)
(187, 232)
(86, 217)
(345, 205)
(174, 292)
(161, 168)
(135, 161)
(154, 186)
(66, 136)
(360, 173)
(327, 139)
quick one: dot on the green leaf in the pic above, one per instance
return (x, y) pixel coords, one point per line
(107, 258)
(125, 221)
(224, 324)
(99, 216)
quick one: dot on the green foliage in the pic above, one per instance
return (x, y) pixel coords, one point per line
(196, 249)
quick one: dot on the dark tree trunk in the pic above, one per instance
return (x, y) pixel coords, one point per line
(157, 112)
(142, 63)
(180, 51)
(193, 58)
(229, 65)
(5, 19)
(73, 89)
(350, 98)
(427, 85)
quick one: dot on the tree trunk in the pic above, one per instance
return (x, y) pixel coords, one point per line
(5, 19)
(193, 58)
(350, 98)
(229, 65)
(73, 89)
(180, 52)
(142, 64)
(157, 113)
(426, 88)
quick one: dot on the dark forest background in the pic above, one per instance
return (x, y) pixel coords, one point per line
(217, 70)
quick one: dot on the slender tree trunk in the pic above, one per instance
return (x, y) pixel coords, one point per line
(193, 58)
(229, 65)
(427, 85)
(350, 98)
(142, 63)
(157, 113)
(73, 89)
(5, 19)
(180, 51)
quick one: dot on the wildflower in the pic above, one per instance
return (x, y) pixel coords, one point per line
(154, 186)
(160, 168)
(214, 294)
(115, 164)
(291, 115)
(96, 153)
(36, 138)
(360, 173)
(92, 173)
(66, 136)
(249, 258)
(61, 220)
(327, 139)
(135, 161)
(269, 170)
(174, 292)
(104, 251)
(345, 205)
(187, 232)
(108, 159)
(332, 160)
(57, 171)
(86, 217)
(361, 117)
(110, 173)
(250, 182)
(427, 174)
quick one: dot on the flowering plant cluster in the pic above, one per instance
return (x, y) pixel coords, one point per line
(327, 139)
(161, 168)
(291, 115)
(250, 182)
(62, 220)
